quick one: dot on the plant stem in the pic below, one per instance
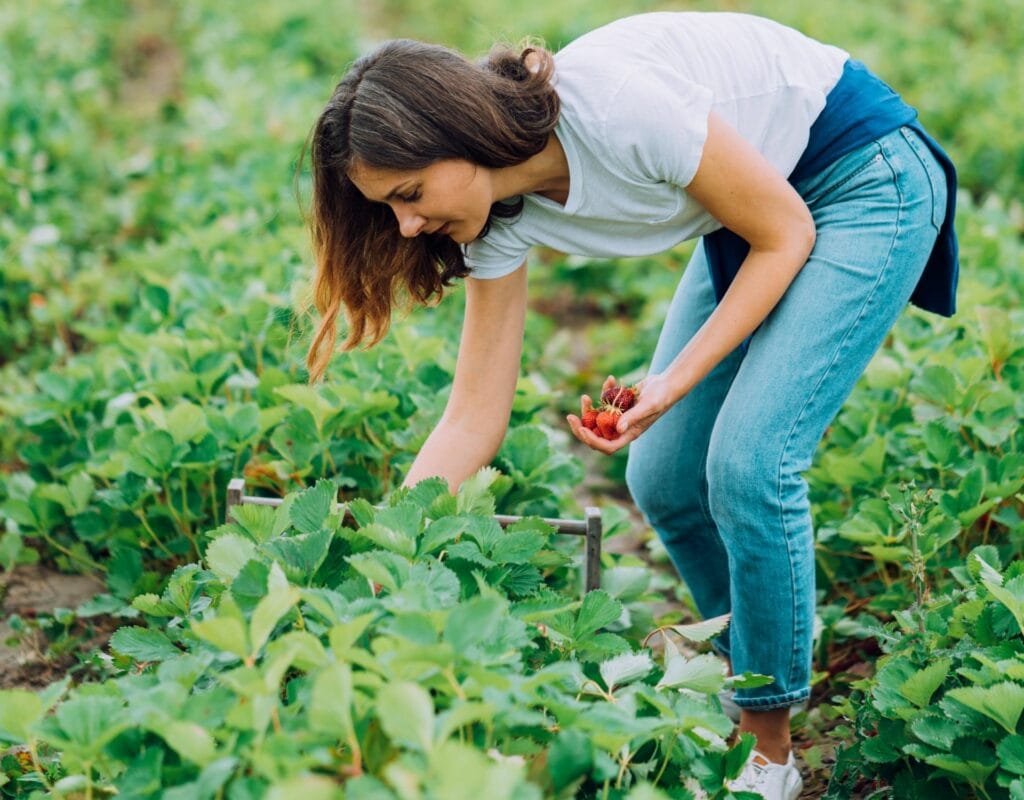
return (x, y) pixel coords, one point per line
(665, 760)
(454, 683)
(622, 769)
(213, 494)
(145, 523)
(33, 751)
(70, 554)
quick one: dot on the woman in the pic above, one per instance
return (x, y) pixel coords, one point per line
(823, 209)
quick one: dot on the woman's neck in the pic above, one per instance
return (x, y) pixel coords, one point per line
(546, 174)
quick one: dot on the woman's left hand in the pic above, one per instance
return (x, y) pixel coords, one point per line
(655, 397)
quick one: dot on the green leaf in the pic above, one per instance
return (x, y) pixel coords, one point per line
(124, 568)
(473, 496)
(186, 422)
(598, 609)
(570, 757)
(362, 511)
(310, 508)
(301, 555)
(937, 385)
(1011, 754)
(306, 397)
(189, 739)
(625, 669)
(227, 554)
(518, 547)
(920, 686)
(468, 550)
(738, 755)
(1011, 595)
(211, 779)
(14, 552)
(473, 622)
(330, 709)
(225, 633)
(345, 634)
(406, 713)
(143, 644)
(703, 673)
(626, 583)
(942, 444)
(255, 520)
(464, 713)
(181, 586)
(389, 539)
(19, 711)
(424, 493)
(935, 730)
(84, 725)
(404, 518)
(521, 580)
(526, 448)
(880, 749)
(152, 605)
(387, 569)
(268, 613)
(1002, 702)
(306, 651)
(308, 787)
(973, 772)
(154, 451)
(81, 490)
(704, 630)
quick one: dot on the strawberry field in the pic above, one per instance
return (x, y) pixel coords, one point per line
(363, 641)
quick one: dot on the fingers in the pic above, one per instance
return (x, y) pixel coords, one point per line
(593, 441)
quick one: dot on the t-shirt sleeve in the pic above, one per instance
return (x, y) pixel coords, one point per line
(657, 124)
(499, 253)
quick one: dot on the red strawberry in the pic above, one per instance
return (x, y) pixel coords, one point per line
(606, 421)
(621, 397)
(590, 419)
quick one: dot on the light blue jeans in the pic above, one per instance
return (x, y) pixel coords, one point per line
(719, 476)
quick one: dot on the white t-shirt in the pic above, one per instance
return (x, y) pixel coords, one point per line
(635, 98)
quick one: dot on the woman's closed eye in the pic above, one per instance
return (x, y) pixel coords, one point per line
(410, 198)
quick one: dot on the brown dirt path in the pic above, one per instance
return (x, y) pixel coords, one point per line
(29, 591)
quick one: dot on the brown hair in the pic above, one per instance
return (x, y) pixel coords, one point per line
(405, 106)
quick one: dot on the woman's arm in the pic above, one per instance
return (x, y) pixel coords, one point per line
(744, 192)
(740, 189)
(476, 417)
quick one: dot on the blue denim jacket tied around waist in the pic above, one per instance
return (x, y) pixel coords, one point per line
(859, 109)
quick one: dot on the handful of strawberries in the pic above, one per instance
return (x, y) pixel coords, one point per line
(603, 419)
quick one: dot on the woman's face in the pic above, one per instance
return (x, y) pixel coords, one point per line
(451, 197)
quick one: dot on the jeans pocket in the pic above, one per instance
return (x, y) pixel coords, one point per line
(936, 180)
(839, 174)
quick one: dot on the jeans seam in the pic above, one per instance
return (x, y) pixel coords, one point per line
(828, 369)
(780, 701)
(914, 143)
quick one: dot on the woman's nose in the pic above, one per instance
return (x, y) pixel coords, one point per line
(410, 224)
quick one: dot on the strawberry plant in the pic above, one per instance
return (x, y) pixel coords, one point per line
(942, 714)
(420, 648)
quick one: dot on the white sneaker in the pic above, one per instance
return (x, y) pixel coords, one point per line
(773, 781)
(732, 711)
